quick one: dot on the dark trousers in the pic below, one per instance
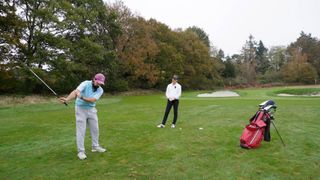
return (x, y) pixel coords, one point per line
(175, 104)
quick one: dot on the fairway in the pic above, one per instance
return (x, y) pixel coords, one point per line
(38, 140)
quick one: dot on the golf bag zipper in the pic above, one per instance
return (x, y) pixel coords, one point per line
(254, 137)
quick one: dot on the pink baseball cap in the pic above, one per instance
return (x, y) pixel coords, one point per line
(99, 78)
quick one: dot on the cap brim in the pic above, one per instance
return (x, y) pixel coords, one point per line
(100, 82)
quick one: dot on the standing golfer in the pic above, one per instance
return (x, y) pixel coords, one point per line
(87, 93)
(173, 94)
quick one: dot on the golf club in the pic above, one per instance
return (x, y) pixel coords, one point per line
(43, 82)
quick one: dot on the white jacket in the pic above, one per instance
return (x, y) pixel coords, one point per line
(173, 91)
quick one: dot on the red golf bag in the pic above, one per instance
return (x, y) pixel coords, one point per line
(258, 128)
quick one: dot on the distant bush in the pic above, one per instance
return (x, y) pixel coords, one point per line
(117, 85)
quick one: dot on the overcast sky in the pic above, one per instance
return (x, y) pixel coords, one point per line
(230, 22)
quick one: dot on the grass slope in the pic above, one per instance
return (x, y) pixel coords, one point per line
(38, 141)
(303, 91)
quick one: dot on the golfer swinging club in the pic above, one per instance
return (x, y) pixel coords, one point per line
(173, 93)
(87, 93)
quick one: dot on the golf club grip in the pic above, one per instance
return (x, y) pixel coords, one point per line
(65, 103)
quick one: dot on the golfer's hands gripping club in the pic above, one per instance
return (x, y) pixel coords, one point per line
(72, 95)
(63, 100)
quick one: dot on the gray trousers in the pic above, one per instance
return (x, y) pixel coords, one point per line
(84, 117)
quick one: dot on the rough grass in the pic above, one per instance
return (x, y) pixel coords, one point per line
(19, 99)
(300, 91)
(38, 140)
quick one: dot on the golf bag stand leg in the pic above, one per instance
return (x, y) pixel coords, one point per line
(278, 132)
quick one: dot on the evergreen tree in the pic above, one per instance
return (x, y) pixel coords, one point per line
(249, 62)
(262, 59)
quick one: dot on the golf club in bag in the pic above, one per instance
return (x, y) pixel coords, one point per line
(259, 126)
(42, 81)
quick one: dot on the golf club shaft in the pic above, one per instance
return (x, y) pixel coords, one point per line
(278, 132)
(44, 83)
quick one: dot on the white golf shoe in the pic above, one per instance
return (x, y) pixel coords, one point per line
(82, 156)
(173, 126)
(98, 149)
(161, 126)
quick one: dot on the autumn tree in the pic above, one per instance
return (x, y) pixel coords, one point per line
(298, 69)
(136, 49)
(310, 46)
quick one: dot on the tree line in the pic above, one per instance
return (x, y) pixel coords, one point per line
(298, 63)
(68, 41)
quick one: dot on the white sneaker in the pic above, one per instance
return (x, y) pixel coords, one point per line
(98, 149)
(82, 156)
(160, 126)
(173, 126)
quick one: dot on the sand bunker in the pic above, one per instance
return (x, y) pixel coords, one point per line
(219, 94)
(285, 95)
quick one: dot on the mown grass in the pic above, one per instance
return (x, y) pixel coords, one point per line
(38, 140)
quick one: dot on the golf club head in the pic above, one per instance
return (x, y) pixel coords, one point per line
(266, 103)
(269, 106)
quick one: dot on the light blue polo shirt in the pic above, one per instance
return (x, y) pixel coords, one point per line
(86, 90)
